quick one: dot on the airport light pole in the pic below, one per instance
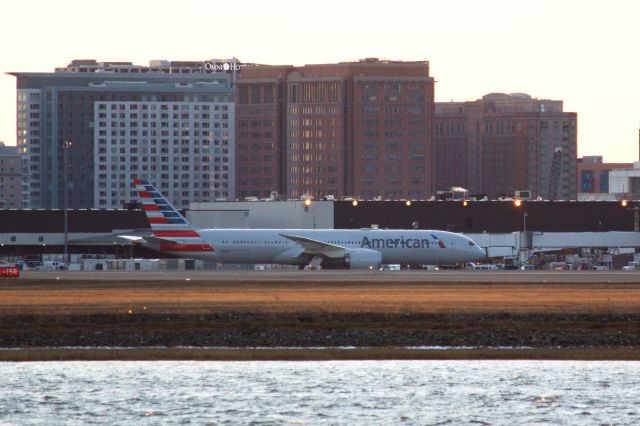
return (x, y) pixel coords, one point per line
(522, 249)
(636, 214)
(66, 145)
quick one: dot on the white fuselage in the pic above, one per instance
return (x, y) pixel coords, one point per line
(414, 247)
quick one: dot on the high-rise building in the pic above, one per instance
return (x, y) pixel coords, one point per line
(261, 131)
(10, 177)
(176, 129)
(352, 128)
(503, 143)
(185, 148)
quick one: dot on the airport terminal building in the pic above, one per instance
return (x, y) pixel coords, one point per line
(499, 227)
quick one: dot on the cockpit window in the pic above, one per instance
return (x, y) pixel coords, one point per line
(471, 243)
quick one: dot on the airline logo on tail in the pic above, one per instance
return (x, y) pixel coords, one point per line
(171, 231)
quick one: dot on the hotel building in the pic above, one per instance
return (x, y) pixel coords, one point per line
(360, 129)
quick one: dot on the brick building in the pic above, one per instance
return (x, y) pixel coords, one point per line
(593, 174)
(353, 128)
(503, 143)
(261, 147)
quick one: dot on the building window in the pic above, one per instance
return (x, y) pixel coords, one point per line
(604, 181)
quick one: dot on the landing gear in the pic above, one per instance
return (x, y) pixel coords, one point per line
(316, 263)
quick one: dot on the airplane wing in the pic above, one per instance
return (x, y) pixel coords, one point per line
(134, 239)
(155, 240)
(317, 248)
(158, 240)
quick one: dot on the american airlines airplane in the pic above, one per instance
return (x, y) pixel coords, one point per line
(316, 248)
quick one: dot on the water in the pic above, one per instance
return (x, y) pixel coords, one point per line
(336, 392)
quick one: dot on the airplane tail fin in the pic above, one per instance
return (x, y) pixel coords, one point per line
(170, 230)
(163, 217)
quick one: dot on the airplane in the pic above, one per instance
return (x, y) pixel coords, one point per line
(367, 248)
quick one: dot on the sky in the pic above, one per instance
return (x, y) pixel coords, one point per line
(586, 53)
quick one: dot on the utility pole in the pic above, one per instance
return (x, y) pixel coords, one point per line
(66, 145)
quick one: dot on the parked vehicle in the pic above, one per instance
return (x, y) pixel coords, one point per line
(631, 266)
(8, 270)
(54, 265)
(480, 267)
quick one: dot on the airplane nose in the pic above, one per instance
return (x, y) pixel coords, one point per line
(480, 252)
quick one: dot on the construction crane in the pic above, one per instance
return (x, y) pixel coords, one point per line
(556, 168)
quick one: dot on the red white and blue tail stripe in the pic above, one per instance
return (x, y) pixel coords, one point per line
(170, 230)
(161, 214)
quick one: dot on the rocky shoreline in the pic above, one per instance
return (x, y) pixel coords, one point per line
(317, 329)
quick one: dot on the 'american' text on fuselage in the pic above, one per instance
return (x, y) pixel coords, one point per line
(402, 242)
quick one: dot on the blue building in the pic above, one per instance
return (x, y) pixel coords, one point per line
(172, 125)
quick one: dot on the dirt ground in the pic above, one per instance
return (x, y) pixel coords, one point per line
(52, 297)
(597, 320)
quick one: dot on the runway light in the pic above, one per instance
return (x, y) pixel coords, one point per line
(465, 203)
(307, 202)
(408, 203)
(517, 203)
(624, 203)
(354, 203)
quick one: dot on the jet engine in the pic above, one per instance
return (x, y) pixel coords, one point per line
(363, 259)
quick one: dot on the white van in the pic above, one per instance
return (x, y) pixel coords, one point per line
(54, 265)
(481, 267)
(488, 267)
